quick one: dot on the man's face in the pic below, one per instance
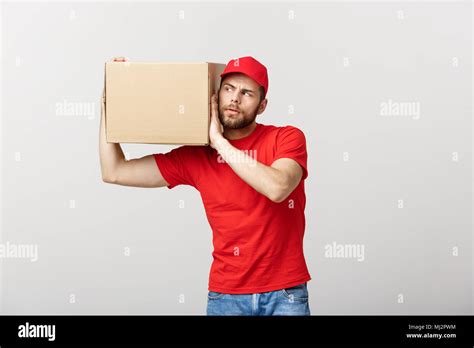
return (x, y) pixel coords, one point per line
(239, 101)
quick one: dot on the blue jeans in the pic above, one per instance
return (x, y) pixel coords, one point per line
(289, 301)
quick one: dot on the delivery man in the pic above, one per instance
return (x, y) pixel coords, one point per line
(251, 180)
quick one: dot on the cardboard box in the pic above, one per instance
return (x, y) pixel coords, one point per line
(158, 102)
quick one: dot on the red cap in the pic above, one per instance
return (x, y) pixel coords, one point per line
(250, 67)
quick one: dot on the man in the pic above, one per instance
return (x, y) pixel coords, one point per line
(251, 180)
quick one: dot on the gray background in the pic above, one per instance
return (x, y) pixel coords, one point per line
(53, 52)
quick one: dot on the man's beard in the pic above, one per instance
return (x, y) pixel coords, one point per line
(238, 121)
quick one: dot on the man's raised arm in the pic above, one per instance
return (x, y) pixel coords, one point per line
(139, 172)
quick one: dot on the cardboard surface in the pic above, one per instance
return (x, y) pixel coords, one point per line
(159, 102)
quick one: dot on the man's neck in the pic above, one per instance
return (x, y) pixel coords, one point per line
(233, 134)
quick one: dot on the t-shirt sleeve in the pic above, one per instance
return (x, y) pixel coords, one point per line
(178, 166)
(291, 143)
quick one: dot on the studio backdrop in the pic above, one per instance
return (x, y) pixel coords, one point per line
(381, 90)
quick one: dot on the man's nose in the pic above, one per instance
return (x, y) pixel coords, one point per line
(235, 98)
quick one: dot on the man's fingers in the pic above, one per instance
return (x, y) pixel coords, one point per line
(102, 105)
(214, 103)
(120, 59)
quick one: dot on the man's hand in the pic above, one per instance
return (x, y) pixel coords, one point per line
(120, 59)
(116, 59)
(215, 129)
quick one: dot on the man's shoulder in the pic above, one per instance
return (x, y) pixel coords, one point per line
(193, 149)
(189, 152)
(282, 130)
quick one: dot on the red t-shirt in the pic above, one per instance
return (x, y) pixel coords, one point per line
(258, 244)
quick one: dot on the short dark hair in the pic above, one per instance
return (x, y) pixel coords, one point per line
(260, 88)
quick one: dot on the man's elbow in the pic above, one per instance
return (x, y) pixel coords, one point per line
(279, 194)
(109, 179)
(277, 199)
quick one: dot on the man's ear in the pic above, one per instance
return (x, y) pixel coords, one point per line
(263, 105)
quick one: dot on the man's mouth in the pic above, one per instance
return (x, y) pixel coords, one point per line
(232, 111)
